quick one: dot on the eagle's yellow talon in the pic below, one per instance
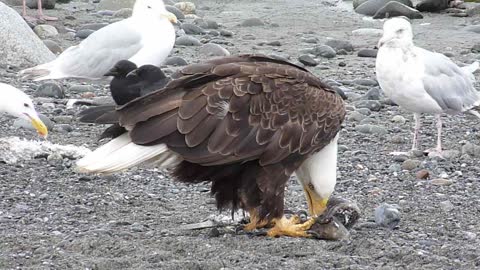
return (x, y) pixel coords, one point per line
(290, 227)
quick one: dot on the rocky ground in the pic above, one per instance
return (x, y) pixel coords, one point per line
(53, 218)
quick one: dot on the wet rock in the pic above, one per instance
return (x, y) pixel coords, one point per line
(387, 216)
(422, 174)
(45, 31)
(191, 29)
(177, 12)
(123, 13)
(322, 51)
(340, 45)
(84, 33)
(394, 9)
(50, 89)
(252, 22)
(307, 60)
(186, 7)
(410, 164)
(187, 41)
(53, 46)
(399, 119)
(371, 129)
(367, 53)
(372, 105)
(432, 5)
(175, 61)
(446, 206)
(115, 4)
(371, 7)
(211, 49)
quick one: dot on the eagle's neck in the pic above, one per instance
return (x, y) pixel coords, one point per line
(319, 172)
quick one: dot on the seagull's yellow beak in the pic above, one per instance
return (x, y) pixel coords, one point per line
(170, 16)
(39, 126)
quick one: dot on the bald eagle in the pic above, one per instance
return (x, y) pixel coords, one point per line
(244, 123)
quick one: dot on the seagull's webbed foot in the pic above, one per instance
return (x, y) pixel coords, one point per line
(47, 18)
(434, 153)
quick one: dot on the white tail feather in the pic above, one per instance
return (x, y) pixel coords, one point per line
(470, 69)
(120, 154)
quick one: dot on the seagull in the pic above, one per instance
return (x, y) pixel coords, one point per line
(16, 103)
(147, 37)
(422, 81)
(41, 16)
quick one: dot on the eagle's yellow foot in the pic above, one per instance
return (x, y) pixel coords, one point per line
(291, 227)
(255, 222)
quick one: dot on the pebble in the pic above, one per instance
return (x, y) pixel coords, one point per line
(44, 31)
(441, 182)
(192, 29)
(373, 105)
(397, 139)
(372, 32)
(55, 159)
(206, 24)
(186, 7)
(371, 129)
(451, 154)
(431, 5)
(123, 13)
(395, 167)
(410, 164)
(399, 119)
(84, 33)
(274, 43)
(387, 216)
(81, 88)
(311, 40)
(187, 41)
(364, 111)
(471, 149)
(175, 61)
(476, 48)
(355, 116)
(372, 53)
(177, 12)
(63, 128)
(50, 89)
(446, 206)
(307, 60)
(365, 82)
(323, 51)
(53, 46)
(422, 174)
(252, 22)
(226, 33)
(340, 45)
(214, 232)
(211, 49)
(371, 7)
(372, 94)
(393, 9)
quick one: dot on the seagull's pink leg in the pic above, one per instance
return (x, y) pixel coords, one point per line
(437, 152)
(24, 13)
(416, 139)
(42, 16)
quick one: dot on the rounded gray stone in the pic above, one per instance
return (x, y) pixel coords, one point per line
(50, 89)
(211, 49)
(187, 41)
(371, 7)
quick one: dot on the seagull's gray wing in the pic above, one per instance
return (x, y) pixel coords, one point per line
(449, 85)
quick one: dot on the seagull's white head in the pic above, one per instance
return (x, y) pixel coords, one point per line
(18, 104)
(152, 8)
(397, 32)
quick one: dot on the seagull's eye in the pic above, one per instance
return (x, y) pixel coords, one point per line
(149, 7)
(26, 105)
(399, 31)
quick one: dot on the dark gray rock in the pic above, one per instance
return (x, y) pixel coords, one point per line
(211, 49)
(476, 48)
(371, 7)
(84, 33)
(50, 89)
(226, 33)
(394, 9)
(63, 128)
(175, 61)
(92, 26)
(365, 82)
(252, 22)
(432, 5)
(187, 41)
(357, 3)
(191, 29)
(323, 51)
(53, 46)
(307, 60)
(387, 216)
(340, 45)
(177, 12)
(46, 4)
(372, 94)
(206, 24)
(368, 53)
(274, 43)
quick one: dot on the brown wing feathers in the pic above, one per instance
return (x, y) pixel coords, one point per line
(236, 110)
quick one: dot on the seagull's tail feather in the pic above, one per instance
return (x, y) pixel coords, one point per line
(38, 73)
(470, 69)
(121, 153)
